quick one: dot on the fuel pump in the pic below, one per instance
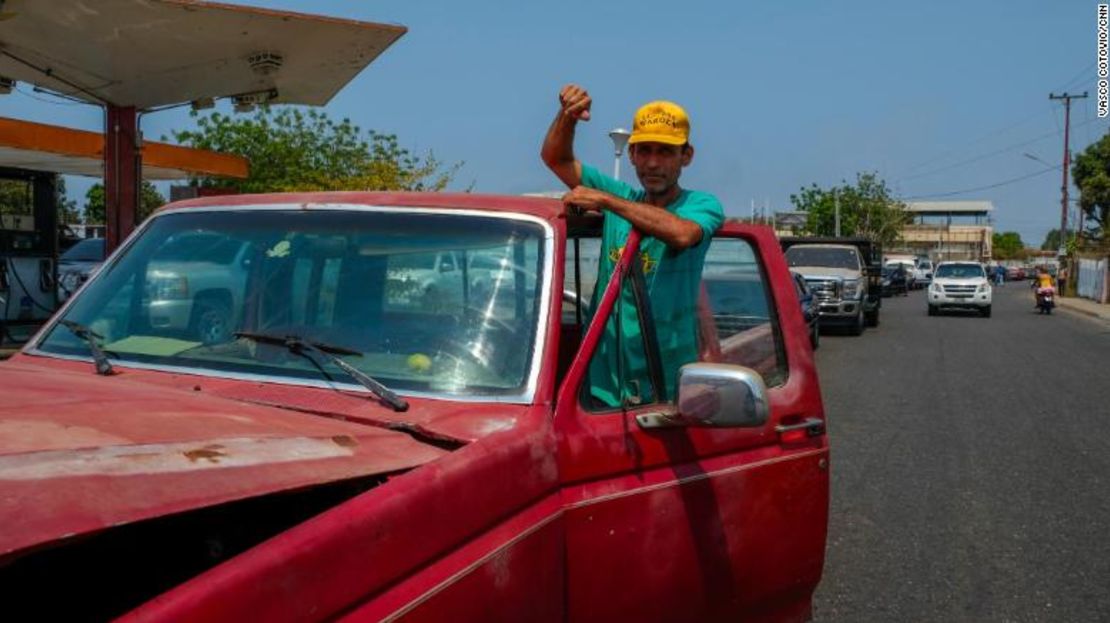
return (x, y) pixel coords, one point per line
(28, 251)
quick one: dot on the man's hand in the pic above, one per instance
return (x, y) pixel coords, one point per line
(586, 199)
(575, 102)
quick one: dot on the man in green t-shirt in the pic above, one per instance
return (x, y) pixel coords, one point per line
(677, 226)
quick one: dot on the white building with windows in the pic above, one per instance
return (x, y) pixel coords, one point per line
(948, 230)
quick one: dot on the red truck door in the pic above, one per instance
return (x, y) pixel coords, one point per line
(689, 523)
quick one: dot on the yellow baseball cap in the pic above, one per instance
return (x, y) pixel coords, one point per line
(660, 122)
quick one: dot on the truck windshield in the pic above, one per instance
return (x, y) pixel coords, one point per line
(959, 271)
(375, 282)
(822, 256)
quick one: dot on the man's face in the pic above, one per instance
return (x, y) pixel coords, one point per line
(659, 165)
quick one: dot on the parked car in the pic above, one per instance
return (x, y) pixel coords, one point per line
(195, 283)
(895, 280)
(925, 272)
(843, 276)
(344, 453)
(811, 311)
(912, 272)
(960, 285)
(1015, 273)
(77, 264)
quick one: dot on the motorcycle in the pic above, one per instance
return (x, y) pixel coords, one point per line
(1046, 300)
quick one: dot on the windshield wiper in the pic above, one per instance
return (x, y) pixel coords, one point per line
(298, 345)
(103, 367)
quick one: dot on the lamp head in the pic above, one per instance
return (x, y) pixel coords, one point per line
(620, 138)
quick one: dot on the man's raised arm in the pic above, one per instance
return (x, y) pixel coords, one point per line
(558, 146)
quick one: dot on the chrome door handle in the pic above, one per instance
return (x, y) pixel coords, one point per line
(812, 426)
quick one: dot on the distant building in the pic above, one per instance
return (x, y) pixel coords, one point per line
(948, 230)
(790, 223)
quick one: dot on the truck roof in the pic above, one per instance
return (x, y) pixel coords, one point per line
(827, 246)
(542, 207)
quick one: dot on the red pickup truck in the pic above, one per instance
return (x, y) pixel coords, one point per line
(360, 445)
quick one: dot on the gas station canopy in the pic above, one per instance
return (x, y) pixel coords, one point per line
(131, 56)
(149, 53)
(26, 145)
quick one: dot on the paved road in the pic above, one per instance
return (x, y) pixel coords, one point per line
(971, 466)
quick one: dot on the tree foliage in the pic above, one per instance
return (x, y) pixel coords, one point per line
(16, 197)
(867, 209)
(1092, 175)
(1052, 241)
(290, 149)
(149, 201)
(1007, 245)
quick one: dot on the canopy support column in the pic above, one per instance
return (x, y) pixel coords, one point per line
(122, 166)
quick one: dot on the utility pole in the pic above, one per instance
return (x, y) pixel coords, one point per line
(836, 201)
(1067, 97)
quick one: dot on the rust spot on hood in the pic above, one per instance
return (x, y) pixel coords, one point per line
(345, 441)
(211, 453)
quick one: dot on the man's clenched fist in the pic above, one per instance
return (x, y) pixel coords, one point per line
(575, 102)
(587, 199)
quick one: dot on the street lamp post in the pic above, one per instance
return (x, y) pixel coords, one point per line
(620, 138)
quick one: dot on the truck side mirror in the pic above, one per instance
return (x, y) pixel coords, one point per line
(717, 395)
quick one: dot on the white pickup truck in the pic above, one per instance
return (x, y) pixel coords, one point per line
(960, 285)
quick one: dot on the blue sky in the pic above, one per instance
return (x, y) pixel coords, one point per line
(934, 96)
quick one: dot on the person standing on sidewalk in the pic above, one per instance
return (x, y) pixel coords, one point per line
(677, 225)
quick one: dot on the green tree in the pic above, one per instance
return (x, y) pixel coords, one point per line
(67, 208)
(1052, 241)
(1007, 245)
(150, 200)
(17, 197)
(1091, 172)
(867, 209)
(291, 149)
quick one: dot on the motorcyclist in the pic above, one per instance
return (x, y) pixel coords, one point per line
(1041, 285)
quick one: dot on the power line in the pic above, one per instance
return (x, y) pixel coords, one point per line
(975, 141)
(1077, 77)
(948, 152)
(996, 152)
(987, 187)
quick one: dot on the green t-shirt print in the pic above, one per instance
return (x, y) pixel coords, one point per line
(673, 280)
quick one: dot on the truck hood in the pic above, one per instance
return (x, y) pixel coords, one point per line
(80, 453)
(945, 281)
(825, 272)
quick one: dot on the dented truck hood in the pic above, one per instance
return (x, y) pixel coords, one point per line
(80, 453)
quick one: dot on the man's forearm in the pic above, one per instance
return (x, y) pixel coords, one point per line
(675, 231)
(558, 150)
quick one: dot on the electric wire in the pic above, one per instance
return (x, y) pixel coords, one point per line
(945, 154)
(987, 187)
(991, 154)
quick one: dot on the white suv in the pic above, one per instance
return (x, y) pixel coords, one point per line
(960, 285)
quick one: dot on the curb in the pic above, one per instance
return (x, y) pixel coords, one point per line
(1086, 312)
